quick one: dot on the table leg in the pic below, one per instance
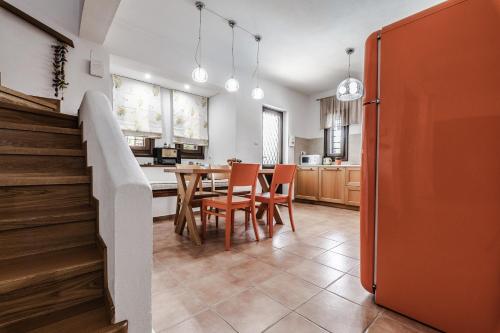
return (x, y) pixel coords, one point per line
(181, 191)
(186, 215)
(262, 208)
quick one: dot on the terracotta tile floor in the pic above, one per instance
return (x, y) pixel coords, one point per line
(307, 281)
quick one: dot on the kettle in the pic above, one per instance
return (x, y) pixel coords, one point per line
(327, 161)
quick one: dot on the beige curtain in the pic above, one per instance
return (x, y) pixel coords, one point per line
(331, 109)
(190, 118)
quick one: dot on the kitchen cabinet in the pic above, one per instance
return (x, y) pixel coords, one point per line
(331, 184)
(352, 195)
(306, 183)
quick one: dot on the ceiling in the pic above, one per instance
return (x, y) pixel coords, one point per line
(303, 45)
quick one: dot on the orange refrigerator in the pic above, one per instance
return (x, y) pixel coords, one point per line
(430, 201)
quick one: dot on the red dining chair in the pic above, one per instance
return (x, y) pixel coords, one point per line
(284, 174)
(242, 174)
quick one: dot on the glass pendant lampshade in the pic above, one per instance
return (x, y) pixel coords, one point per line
(350, 89)
(257, 93)
(200, 75)
(232, 85)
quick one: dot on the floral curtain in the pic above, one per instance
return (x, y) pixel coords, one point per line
(190, 118)
(348, 113)
(138, 107)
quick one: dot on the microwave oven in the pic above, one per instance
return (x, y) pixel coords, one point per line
(167, 156)
(310, 159)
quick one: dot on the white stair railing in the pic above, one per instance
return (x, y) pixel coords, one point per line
(125, 213)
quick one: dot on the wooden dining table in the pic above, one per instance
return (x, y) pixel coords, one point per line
(187, 183)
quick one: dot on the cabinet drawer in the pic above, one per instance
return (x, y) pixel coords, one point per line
(352, 195)
(353, 176)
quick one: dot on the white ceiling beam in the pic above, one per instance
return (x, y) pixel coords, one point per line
(97, 16)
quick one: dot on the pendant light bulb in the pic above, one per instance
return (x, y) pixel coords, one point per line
(232, 85)
(199, 74)
(350, 89)
(257, 93)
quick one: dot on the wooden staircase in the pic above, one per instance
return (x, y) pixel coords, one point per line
(52, 260)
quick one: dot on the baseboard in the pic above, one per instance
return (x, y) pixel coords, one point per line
(328, 204)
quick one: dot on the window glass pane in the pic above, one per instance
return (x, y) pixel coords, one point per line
(271, 137)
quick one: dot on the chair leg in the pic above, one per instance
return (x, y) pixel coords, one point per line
(270, 219)
(290, 213)
(229, 224)
(217, 219)
(203, 222)
(254, 222)
(232, 221)
(247, 218)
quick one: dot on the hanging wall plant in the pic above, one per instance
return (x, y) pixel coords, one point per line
(59, 81)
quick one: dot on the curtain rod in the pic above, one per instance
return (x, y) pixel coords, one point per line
(319, 99)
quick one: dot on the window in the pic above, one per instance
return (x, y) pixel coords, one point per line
(336, 141)
(140, 145)
(272, 137)
(192, 152)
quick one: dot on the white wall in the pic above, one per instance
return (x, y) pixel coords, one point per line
(235, 121)
(26, 55)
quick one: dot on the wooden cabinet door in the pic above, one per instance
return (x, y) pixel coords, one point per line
(352, 195)
(353, 176)
(331, 185)
(306, 184)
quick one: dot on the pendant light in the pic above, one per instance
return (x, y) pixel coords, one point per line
(232, 84)
(257, 92)
(350, 89)
(199, 73)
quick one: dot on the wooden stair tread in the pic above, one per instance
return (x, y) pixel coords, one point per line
(40, 217)
(39, 128)
(13, 150)
(17, 97)
(27, 179)
(12, 106)
(93, 321)
(36, 269)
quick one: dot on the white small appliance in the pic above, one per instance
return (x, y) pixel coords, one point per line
(310, 159)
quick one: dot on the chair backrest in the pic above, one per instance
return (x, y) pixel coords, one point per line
(284, 174)
(243, 174)
(192, 166)
(218, 176)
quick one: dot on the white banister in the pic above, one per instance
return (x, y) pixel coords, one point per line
(125, 216)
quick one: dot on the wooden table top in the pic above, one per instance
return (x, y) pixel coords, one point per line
(204, 171)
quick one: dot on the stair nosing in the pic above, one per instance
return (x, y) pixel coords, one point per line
(13, 150)
(46, 218)
(39, 128)
(24, 108)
